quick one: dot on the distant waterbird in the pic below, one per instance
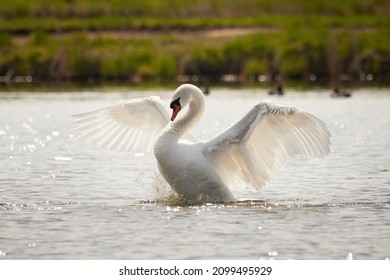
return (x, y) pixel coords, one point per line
(278, 91)
(337, 93)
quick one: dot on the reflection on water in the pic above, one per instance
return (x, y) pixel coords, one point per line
(64, 200)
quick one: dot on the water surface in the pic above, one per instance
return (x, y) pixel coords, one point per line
(60, 199)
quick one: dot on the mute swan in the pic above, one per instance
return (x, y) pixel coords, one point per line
(249, 152)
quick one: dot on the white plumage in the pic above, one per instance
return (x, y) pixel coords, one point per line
(131, 126)
(250, 152)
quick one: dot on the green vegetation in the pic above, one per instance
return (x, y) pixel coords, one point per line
(94, 41)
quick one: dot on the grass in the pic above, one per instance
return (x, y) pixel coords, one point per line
(78, 40)
(25, 25)
(219, 8)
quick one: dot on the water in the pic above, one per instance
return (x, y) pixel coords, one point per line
(64, 200)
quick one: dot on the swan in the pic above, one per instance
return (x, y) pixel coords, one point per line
(249, 153)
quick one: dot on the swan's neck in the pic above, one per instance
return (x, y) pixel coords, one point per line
(190, 118)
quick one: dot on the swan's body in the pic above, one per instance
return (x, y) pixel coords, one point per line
(250, 152)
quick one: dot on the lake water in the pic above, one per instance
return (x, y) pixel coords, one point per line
(60, 199)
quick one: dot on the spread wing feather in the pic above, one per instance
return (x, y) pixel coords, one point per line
(132, 125)
(255, 148)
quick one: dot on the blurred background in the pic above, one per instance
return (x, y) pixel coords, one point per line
(141, 42)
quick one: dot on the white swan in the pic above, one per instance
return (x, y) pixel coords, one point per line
(250, 152)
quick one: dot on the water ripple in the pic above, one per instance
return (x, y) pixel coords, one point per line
(64, 200)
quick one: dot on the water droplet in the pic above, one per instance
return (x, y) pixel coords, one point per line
(272, 254)
(29, 128)
(31, 147)
(350, 256)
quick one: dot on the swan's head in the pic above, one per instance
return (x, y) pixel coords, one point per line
(183, 95)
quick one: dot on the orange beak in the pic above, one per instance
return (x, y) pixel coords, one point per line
(176, 109)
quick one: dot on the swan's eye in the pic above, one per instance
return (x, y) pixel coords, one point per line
(175, 102)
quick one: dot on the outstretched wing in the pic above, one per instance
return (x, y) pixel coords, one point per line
(132, 125)
(255, 148)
